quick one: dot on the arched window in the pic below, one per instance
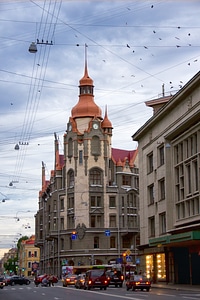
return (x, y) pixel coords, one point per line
(70, 147)
(71, 178)
(95, 177)
(95, 146)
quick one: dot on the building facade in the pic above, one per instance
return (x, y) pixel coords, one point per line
(88, 209)
(169, 176)
(28, 257)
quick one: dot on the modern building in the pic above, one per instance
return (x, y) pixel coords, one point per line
(88, 209)
(169, 184)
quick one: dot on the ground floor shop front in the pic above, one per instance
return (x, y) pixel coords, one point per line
(173, 259)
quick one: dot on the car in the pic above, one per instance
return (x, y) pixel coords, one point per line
(38, 279)
(69, 279)
(7, 280)
(115, 278)
(2, 282)
(15, 279)
(80, 281)
(138, 282)
(96, 278)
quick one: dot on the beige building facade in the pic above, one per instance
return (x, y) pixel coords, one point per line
(88, 209)
(169, 176)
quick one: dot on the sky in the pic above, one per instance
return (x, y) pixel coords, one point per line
(133, 49)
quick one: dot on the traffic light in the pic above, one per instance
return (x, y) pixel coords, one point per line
(74, 235)
(124, 257)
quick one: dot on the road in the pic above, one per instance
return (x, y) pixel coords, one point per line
(58, 292)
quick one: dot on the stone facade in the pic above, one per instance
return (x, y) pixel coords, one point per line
(88, 209)
(169, 164)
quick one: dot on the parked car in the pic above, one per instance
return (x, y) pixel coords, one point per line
(15, 279)
(69, 279)
(7, 280)
(96, 278)
(80, 281)
(2, 282)
(136, 282)
(38, 280)
(115, 278)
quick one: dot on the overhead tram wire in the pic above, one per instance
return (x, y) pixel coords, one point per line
(34, 96)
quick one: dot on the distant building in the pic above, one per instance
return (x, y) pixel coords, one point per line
(88, 208)
(28, 257)
(169, 164)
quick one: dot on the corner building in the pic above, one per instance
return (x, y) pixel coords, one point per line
(169, 163)
(88, 209)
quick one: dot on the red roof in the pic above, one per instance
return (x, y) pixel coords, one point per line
(119, 155)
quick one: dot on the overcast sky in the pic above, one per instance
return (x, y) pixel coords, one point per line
(134, 47)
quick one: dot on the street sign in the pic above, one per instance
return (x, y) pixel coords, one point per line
(128, 252)
(128, 258)
(137, 261)
(107, 232)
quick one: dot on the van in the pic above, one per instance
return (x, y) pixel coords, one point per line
(95, 278)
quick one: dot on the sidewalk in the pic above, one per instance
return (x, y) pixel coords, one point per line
(180, 287)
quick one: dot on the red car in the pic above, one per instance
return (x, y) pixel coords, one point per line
(39, 279)
(138, 282)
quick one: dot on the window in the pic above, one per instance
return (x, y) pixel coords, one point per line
(151, 194)
(54, 205)
(188, 174)
(95, 221)
(161, 185)
(150, 163)
(151, 227)
(161, 156)
(62, 204)
(71, 178)
(112, 242)
(70, 147)
(112, 201)
(62, 244)
(95, 201)
(29, 264)
(29, 253)
(80, 157)
(126, 180)
(96, 242)
(112, 221)
(62, 224)
(95, 146)
(162, 219)
(35, 253)
(95, 177)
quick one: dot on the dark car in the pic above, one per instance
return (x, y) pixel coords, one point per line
(96, 278)
(138, 282)
(2, 282)
(69, 280)
(15, 279)
(80, 281)
(115, 278)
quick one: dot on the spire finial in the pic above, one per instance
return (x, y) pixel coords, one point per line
(86, 71)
